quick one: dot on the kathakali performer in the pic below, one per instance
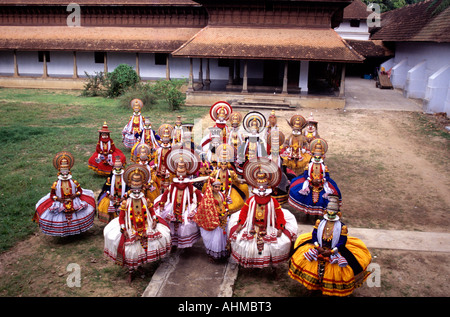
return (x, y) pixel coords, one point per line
(138, 235)
(309, 192)
(132, 131)
(148, 137)
(212, 218)
(68, 209)
(151, 185)
(253, 146)
(232, 186)
(159, 157)
(102, 161)
(328, 259)
(294, 152)
(178, 204)
(262, 233)
(219, 112)
(311, 131)
(114, 191)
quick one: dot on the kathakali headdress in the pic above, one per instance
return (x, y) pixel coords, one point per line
(180, 157)
(136, 105)
(254, 120)
(165, 132)
(104, 128)
(143, 151)
(318, 147)
(235, 119)
(63, 159)
(220, 111)
(262, 171)
(297, 122)
(225, 153)
(136, 173)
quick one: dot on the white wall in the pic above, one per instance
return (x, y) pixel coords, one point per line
(438, 91)
(353, 33)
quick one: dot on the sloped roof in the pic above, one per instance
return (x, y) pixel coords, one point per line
(130, 39)
(356, 10)
(415, 23)
(314, 44)
(370, 48)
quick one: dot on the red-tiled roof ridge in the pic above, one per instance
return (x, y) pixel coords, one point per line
(416, 22)
(356, 10)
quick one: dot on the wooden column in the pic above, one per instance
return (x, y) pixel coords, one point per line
(191, 76)
(244, 82)
(208, 79)
(167, 68)
(285, 78)
(138, 71)
(230, 71)
(342, 84)
(75, 67)
(44, 71)
(16, 66)
(105, 63)
(200, 73)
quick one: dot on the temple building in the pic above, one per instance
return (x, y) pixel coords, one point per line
(275, 52)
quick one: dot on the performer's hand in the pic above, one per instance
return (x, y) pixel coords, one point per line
(279, 232)
(154, 224)
(239, 228)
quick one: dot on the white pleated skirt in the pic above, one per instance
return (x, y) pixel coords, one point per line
(135, 254)
(245, 251)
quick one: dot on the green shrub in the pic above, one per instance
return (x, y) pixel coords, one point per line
(94, 85)
(169, 90)
(141, 91)
(120, 79)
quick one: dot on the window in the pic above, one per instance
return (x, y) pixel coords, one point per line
(99, 57)
(41, 56)
(354, 23)
(160, 59)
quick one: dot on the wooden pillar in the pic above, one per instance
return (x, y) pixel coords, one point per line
(244, 82)
(138, 71)
(342, 84)
(75, 67)
(285, 78)
(167, 68)
(44, 71)
(105, 62)
(191, 76)
(200, 73)
(230, 72)
(16, 66)
(208, 79)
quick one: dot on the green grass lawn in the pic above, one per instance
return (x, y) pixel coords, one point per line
(35, 125)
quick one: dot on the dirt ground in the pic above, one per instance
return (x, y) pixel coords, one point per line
(392, 168)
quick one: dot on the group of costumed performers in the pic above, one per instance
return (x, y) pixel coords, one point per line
(227, 191)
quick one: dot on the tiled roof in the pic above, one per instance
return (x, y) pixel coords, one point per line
(370, 48)
(356, 10)
(415, 23)
(130, 39)
(314, 44)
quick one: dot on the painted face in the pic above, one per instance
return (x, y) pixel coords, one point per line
(104, 136)
(64, 171)
(216, 188)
